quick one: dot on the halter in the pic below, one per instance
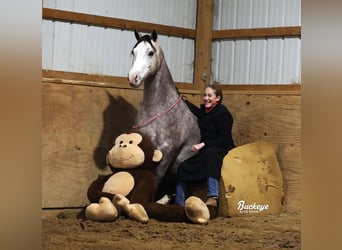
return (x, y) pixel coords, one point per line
(145, 123)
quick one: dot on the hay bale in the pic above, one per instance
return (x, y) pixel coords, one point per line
(251, 181)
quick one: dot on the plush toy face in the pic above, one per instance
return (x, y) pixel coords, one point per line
(128, 152)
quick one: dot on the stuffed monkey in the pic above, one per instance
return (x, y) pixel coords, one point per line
(131, 186)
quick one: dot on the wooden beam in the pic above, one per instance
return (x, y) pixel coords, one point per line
(116, 23)
(102, 21)
(202, 68)
(83, 79)
(73, 78)
(257, 33)
(261, 89)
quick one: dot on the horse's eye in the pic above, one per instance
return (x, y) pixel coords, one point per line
(151, 53)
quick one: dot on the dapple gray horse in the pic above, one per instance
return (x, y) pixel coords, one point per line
(163, 115)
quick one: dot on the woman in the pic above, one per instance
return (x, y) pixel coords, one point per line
(215, 123)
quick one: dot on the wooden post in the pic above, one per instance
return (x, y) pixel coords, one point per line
(204, 28)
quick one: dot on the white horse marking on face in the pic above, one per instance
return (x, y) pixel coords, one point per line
(145, 61)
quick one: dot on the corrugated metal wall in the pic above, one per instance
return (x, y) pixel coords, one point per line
(96, 50)
(257, 61)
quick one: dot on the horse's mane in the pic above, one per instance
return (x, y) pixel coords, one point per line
(145, 38)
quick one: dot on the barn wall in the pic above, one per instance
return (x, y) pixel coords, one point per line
(178, 13)
(105, 51)
(80, 123)
(262, 60)
(89, 49)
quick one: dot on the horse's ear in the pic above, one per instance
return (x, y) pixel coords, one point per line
(137, 35)
(154, 35)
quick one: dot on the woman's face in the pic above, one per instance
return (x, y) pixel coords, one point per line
(209, 97)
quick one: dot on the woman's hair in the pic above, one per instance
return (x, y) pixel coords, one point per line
(217, 89)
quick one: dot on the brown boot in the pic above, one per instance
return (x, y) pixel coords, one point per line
(211, 201)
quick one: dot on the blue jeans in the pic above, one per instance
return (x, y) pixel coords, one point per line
(213, 187)
(213, 190)
(180, 193)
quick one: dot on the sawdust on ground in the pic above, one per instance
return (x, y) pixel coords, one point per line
(67, 229)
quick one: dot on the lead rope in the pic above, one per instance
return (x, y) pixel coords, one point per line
(145, 123)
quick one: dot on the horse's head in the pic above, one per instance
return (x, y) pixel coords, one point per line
(145, 58)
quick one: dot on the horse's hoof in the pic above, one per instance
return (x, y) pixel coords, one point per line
(102, 211)
(196, 210)
(165, 199)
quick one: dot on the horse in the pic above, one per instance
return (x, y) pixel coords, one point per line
(163, 115)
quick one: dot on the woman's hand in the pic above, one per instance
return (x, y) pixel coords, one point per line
(197, 147)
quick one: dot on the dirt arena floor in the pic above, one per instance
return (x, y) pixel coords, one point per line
(67, 229)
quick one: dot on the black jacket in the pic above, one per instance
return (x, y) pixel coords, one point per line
(216, 133)
(216, 125)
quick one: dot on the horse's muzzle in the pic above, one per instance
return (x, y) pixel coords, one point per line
(134, 80)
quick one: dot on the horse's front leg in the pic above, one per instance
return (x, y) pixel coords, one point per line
(166, 180)
(162, 168)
